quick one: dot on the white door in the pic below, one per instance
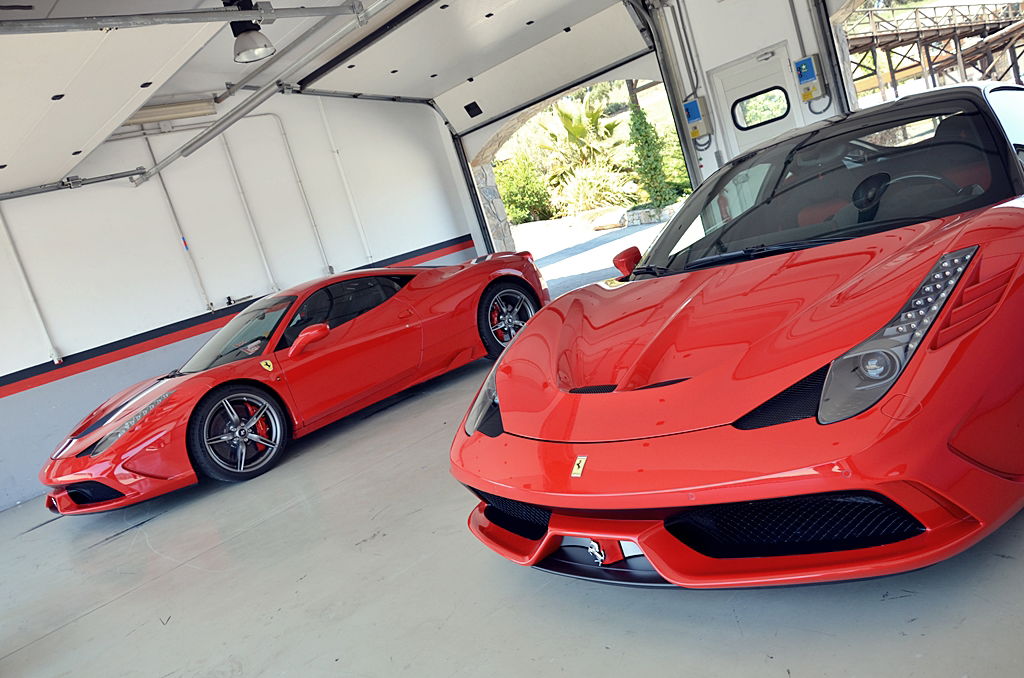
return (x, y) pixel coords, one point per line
(758, 98)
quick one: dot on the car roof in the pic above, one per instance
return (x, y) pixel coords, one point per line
(310, 285)
(946, 92)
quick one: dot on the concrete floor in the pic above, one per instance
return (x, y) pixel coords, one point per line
(352, 559)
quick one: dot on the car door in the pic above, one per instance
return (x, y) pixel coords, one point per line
(375, 343)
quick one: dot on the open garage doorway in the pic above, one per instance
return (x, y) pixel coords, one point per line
(583, 177)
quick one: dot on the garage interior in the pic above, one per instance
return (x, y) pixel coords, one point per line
(150, 187)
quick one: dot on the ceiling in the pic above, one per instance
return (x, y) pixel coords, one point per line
(494, 53)
(66, 92)
(449, 43)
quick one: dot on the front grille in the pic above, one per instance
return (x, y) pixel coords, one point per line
(810, 523)
(518, 517)
(799, 401)
(91, 492)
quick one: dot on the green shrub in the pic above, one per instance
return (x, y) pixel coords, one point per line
(648, 162)
(595, 185)
(525, 195)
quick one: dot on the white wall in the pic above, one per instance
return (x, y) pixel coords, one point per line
(722, 31)
(106, 261)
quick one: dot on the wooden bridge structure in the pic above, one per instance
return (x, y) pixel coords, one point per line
(942, 43)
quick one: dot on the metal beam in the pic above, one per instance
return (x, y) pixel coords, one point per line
(263, 14)
(70, 182)
(259, 96)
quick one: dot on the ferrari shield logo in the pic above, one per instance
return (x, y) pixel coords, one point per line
(577, 468)
(267, 365)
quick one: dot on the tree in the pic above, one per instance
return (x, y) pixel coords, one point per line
(581, 137)
(525, 196)
(647, 148)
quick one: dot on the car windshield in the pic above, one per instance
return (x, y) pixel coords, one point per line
(840, 181)
(245, 336)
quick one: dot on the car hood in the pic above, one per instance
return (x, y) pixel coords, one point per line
(123, 404)
(684, 352)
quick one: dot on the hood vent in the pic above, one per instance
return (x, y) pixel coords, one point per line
(799, 401)
(599, 388)
(662, 383)
(981, 292)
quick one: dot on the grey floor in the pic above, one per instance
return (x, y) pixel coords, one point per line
(352, 559)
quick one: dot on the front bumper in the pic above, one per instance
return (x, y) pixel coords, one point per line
(122, 476)
(629, 488)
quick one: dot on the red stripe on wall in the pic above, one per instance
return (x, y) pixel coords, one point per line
(436, 254)
(172, 337)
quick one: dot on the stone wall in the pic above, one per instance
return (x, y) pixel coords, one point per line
(494, 208)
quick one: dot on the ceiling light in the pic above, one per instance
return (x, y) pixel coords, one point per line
(174, 111)
(252, 45)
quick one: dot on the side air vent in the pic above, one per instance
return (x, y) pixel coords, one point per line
(979, 295)
(799, 401)
(599, 388)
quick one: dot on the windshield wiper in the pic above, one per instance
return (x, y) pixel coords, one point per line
(759, 251)
(656, 271)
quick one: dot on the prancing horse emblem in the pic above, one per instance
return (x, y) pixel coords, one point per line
(267, 365)
(577, 468)
(595, 550)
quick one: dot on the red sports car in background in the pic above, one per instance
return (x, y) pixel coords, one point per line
(813, 374)
(286, 365)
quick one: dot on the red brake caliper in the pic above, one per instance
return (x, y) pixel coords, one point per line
(494, 321)
(261, 426)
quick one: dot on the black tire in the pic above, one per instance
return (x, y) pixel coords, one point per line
(504, 309)
(233, 449)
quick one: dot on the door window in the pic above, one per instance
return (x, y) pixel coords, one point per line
(761, 108)
(312, 311)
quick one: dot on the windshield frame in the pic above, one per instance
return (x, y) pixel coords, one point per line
(221, 356)
(970, 100)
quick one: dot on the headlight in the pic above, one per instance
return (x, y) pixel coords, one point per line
(112, 437)
(859, 378)
(484, 415)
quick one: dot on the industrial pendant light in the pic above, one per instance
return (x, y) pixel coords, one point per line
(250, 43)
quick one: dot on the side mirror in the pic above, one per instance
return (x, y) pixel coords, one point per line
(307, 336)
(627, 260)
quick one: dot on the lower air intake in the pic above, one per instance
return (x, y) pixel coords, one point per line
(91, 492)
(526, 520)
(810, 523)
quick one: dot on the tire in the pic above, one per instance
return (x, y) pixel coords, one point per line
(215, 439)
(504, 309)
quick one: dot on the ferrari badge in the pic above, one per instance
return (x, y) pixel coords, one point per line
(267, 365)
(577, 468)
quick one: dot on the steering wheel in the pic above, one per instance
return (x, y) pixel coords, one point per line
(946, 183)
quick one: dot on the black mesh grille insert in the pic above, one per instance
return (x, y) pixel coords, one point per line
(799, 401)
(810, 523)
(598, 388)
(91, 492)
(518, 517)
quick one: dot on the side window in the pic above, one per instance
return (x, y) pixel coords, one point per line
(352, 298)
(1009, 106)
(312, 311)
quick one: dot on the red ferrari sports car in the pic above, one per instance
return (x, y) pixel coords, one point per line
(811, 375)
(286, 365)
